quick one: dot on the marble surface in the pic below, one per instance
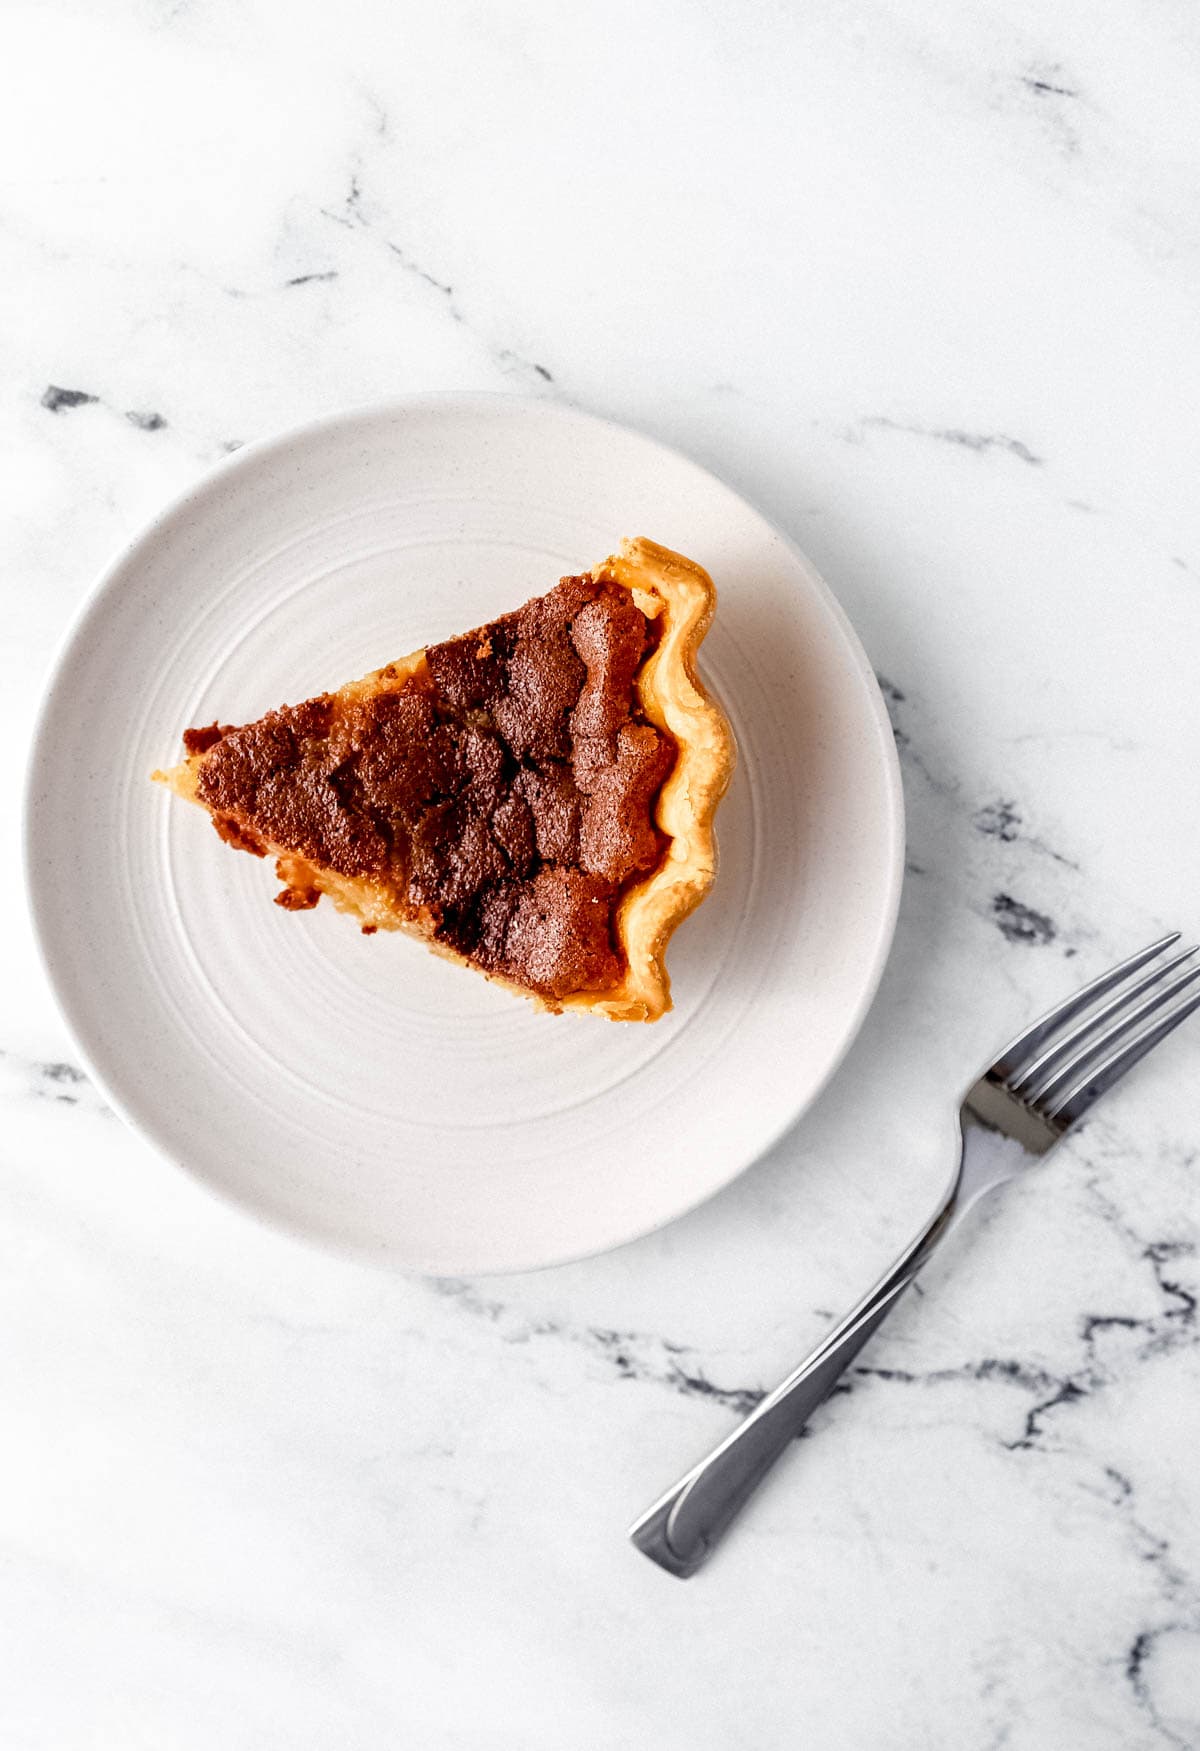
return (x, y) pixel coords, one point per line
(922, 280)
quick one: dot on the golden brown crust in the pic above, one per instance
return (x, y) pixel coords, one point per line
(680, 596)
(680, 593)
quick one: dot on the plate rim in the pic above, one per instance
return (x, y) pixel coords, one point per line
(398, 406)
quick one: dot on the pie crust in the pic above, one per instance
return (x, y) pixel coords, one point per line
(679, 597)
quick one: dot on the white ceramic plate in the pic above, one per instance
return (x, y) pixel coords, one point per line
(361, 1090)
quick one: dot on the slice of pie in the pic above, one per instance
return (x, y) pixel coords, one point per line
(534, 799)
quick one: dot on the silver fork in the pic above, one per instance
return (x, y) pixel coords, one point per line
(1018, 1109)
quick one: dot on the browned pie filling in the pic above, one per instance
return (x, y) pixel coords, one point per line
(505, 792)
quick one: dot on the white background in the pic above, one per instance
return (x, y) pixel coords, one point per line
(922, 281)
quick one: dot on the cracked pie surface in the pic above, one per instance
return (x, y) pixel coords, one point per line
(533, 799)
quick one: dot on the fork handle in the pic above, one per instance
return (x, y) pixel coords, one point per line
(682, 1529)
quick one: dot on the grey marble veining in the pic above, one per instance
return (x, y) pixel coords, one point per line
(921, 281)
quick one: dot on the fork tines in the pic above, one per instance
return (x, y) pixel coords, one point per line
(1059, 1070)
